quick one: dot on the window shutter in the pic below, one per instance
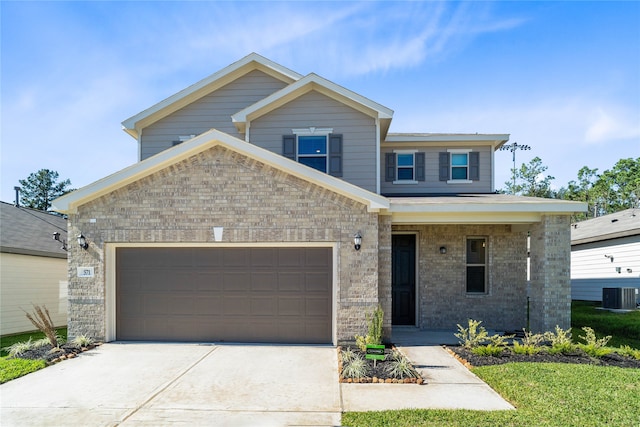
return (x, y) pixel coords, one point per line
(289, 146)
(444, 166)
(390, 167)
(335, 155)
(419, 162)
(474, 165)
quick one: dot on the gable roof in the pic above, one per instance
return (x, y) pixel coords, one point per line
(28, 231)
(619, 224)
(313, 82)
(71, 201)
(251, 62)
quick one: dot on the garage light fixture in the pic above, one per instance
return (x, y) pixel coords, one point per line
(82, 241)
(357, 241)
(443, 250)
(56, 236)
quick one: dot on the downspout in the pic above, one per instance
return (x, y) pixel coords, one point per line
(493, 168)
(246, 132)
(377, 122)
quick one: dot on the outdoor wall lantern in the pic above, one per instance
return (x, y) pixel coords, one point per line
(610, 257)
(82, 241)
(357, 241)
(56, 237)
(443, 250)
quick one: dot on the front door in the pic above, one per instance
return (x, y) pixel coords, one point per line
(403, 279)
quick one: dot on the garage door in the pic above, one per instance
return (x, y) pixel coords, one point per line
(279, 295)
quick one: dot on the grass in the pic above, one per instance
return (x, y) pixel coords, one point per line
(624, 328)
(9, 340)
(545, 394)
(15, 368)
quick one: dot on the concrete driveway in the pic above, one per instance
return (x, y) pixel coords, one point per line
(142, 384)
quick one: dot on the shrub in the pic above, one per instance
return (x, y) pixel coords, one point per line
(473, 336)
(374, 332)
(593, 346)
(530, 344)
(19, 348)
(357, 367)
(42, 320)
(85, 341)
(560, 341)
(626, 350)
(487, 350)
(400, 367)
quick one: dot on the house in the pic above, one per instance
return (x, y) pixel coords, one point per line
(33, 267)
(268, 206)
(605, 253)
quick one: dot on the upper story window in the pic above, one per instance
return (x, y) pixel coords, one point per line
(318, 148)
(312, 151)
(404, 167)
(459, 166)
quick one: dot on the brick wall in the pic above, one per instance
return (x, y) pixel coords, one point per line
(550, 273)
(442, 298)
(252, 201)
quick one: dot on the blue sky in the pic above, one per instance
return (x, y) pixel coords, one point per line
(562, 77)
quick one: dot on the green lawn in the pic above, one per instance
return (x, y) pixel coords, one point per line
(546, 394)
(623, 327)
(14, 368)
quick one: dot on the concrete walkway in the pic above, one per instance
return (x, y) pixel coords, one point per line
(449, 385)
(148, 384)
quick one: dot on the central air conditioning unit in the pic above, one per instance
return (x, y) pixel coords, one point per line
(619, 298)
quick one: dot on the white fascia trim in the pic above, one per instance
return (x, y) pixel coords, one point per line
(440, 137)
(515, 207)
(69, 202)
(303, 86)
(130, 124)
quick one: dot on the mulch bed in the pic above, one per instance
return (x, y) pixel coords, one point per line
(577, 356)
(378, 372)
(65, 351)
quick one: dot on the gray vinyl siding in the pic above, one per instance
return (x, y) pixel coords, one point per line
(591, 270)
(315, 109)
(211, 111)
(432, 183)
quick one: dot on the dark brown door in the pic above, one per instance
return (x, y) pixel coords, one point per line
(403, 280)
(276, 295)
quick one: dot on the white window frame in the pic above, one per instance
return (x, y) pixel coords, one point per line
(413, 166)
(313, 131)
(453, 151)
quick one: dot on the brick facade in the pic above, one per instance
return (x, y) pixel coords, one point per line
(442, 299)
(550, 273)
(254, 202)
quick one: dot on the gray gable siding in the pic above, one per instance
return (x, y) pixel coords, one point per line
(317, 110)
(432, 183)
(211, 111)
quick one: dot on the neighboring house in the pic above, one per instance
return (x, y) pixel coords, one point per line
(605, 253)
(33, 267)
(238, 222)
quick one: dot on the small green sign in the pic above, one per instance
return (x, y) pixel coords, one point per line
(375, 352)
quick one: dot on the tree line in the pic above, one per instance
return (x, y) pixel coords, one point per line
(611, 191)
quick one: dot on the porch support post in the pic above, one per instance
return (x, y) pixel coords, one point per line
(550, 285)
(384, 273)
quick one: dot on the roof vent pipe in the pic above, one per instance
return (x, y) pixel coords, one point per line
(17, 196)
